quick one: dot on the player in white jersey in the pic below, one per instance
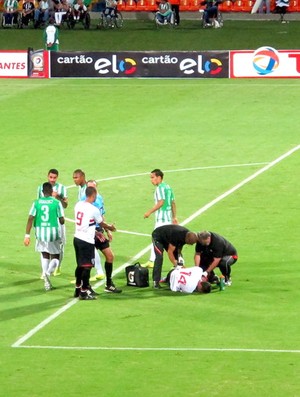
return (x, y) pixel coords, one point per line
(164, 206)
(59, 191)
(188, 280)
(86, 218)
(99, 203)
(46, 214)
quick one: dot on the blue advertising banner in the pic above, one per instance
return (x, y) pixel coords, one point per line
(206, 64)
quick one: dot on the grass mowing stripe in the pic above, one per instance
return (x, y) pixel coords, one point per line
(19, 342)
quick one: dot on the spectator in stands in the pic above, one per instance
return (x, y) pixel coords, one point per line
(27, 12)
(79, 9)
(10, 13)
(110, 10)
(41, 13)
(175, 9)
(281, 8)
(61, 7)
(211, 12)
(164, 13)
(264, 7)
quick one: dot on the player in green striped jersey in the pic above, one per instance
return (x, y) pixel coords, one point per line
(46, 215)
(164, 206)
(59, 190)
(60, 193)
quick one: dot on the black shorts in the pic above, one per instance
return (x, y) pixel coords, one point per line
(101, 245)
(84, 252)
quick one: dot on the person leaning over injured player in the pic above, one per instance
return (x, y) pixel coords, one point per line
(213, 250)
(170, 238)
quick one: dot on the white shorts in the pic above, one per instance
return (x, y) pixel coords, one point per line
(52, 247)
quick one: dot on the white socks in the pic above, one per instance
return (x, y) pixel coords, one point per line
(45, 265)
(53, 265)
(98, 265)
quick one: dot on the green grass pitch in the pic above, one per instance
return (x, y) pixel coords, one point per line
(212, 138)
(208, 136)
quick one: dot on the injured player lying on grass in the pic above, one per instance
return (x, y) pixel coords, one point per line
(188, 280)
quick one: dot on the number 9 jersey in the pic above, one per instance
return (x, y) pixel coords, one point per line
(86, 218)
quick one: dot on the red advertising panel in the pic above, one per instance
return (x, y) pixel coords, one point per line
(23, 64)
(265, 62)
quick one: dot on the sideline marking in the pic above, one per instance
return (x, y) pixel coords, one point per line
(145, 250)
(209, 167)
(185, 349)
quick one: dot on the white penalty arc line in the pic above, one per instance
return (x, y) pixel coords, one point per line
(164, 349)
(209, 167)
(24, 338)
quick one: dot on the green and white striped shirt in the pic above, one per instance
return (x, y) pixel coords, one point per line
(164, 213)
(60, 189)
(46, 211)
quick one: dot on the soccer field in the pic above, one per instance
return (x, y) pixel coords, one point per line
(230, 149)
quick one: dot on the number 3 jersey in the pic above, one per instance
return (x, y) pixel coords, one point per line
(46, 211)
(86, 217)
(185, 279)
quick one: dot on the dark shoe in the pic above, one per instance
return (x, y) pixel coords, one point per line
(77, 292)
(86, 296)
(215, 280)
(92, 291)
(156, 285)
(112, 288)
(228, 281)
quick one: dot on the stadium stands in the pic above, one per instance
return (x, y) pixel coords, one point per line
(195, 5)
(150, 6)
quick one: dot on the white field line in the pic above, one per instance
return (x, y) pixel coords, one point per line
(184, 349)
(210, 167)
(24, 338)
(239, 185)
(118, 230)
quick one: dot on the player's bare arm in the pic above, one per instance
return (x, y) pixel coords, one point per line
(174, 218)
(28, 229)
(157, 206)
(214, 264)
(63, 200)
(107, 226)
(197, 259)
(171, 250)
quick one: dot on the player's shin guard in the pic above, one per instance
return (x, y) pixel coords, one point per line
(85, 278)
(108, 271)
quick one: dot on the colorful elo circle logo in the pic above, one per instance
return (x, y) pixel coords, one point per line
(213, 66)
(265, 60)
(128, 66)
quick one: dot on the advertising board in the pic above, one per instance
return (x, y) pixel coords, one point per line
(210, 64)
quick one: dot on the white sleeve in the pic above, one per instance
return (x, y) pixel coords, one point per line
(97, 215)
